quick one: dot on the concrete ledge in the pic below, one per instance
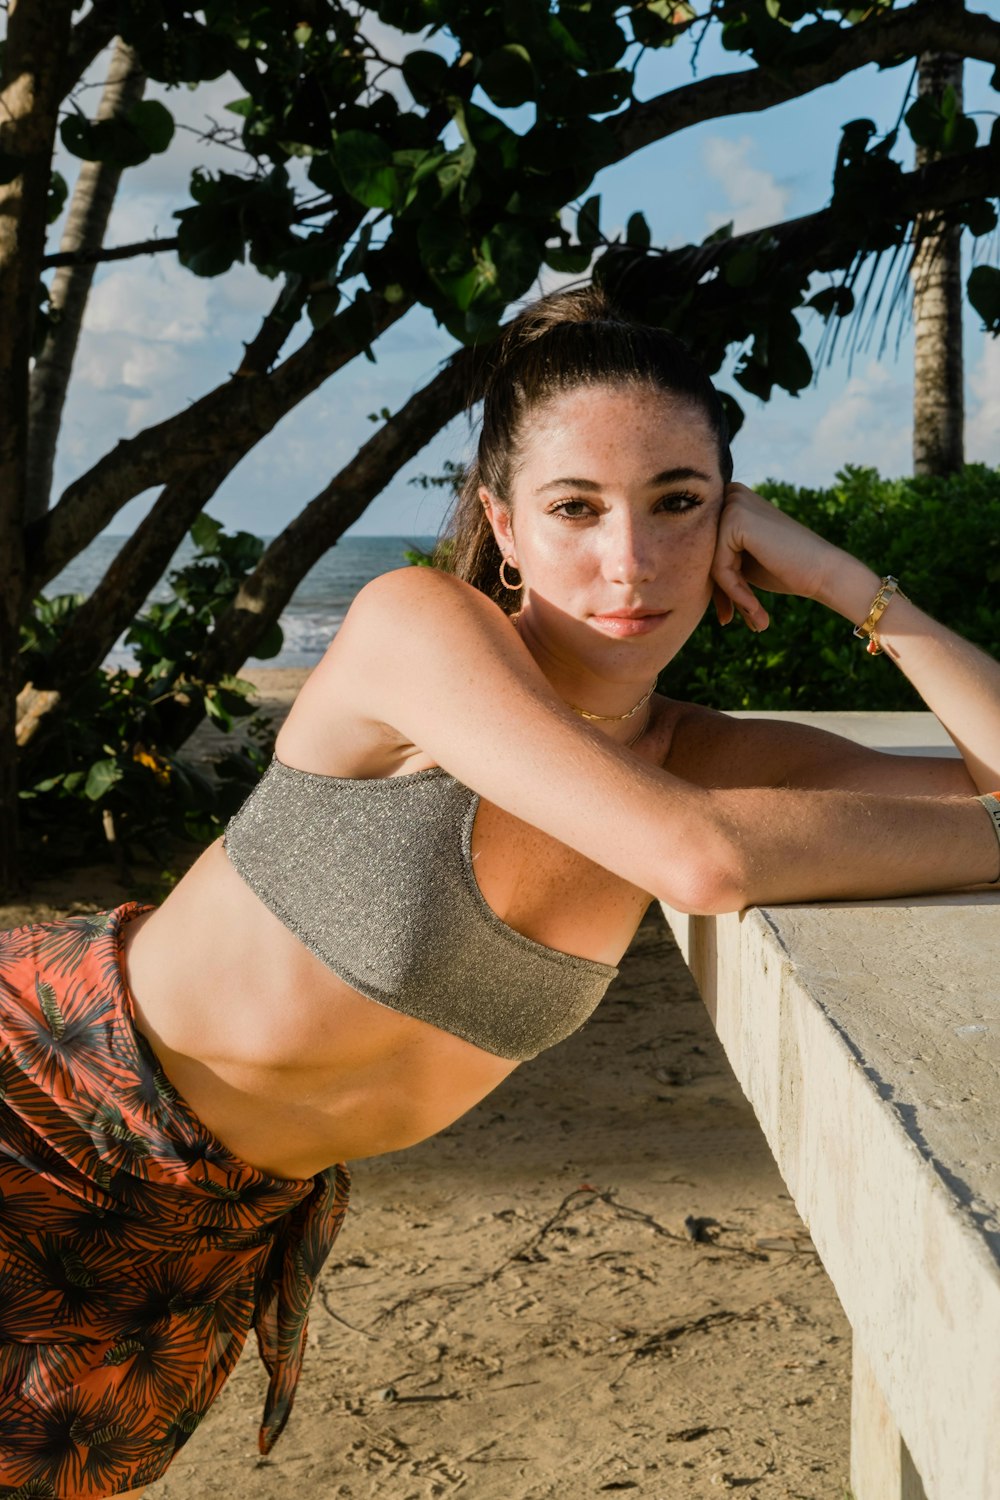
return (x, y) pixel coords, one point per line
(867, 1038)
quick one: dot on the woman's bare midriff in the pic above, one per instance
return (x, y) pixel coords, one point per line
(285, 1063)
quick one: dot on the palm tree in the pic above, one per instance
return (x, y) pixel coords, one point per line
(938, 398)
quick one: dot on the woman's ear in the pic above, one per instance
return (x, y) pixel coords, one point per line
(499, 518)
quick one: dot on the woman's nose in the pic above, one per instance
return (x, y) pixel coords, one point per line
(629, 555)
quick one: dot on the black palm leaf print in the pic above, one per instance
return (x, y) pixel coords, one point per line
(60, 1040)
(209, 1293)
(21, 1212)
(77, 1442)
(63, 946)
(133, 1244)
(77, 1275)
(153, 1365)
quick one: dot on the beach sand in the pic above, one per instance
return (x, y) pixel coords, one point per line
(594, 1282)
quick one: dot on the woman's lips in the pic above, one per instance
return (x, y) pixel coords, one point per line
(625, 623)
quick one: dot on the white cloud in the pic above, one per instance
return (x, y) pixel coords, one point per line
(869, 422)
(804, 441)
(755, 197)
(150, 299)
(982, 426)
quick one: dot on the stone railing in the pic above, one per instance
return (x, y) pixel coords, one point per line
(866, 1036)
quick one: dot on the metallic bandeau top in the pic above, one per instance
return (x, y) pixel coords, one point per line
(375, 877)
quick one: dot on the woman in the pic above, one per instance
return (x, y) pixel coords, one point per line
(469, 809)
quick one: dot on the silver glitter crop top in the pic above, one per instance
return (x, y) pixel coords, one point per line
(375, 877)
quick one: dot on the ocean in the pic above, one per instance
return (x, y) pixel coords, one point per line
(311, 617)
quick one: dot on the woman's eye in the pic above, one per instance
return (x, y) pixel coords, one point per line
(681, 502)
(571, 509)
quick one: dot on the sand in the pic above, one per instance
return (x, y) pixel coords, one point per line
(594, 1282)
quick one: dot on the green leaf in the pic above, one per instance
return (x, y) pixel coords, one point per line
(588, 221)
(444, 245)
(983, 287)
(322, 306)
(833, 301)
(572, 260)
(58, 191)
(153, 124)
(270, 643)
(205, 532)
(515, 251)
(101, 777)
(365, 164)
(637, 231)
(424, 74)
(789, 364)
(979, 216)
(508, 76)
(740, 268)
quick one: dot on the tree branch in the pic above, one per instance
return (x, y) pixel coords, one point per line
(829, 240)
(926, 26)
(88, 39)
(311, 534)
(228, 420)
(98, 255)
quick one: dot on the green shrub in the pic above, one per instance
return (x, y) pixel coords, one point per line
(106, 772)
(939, 537)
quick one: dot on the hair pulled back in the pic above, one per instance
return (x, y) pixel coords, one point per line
(561, 342)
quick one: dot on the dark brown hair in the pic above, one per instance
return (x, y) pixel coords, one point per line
(561, 342)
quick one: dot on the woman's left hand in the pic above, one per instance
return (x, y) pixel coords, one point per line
(759, 546)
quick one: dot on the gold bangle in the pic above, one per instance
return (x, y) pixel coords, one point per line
(887, 589)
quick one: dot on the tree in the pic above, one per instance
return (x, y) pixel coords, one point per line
(938, 395)
(360, 207)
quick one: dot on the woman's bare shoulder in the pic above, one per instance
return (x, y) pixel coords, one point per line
(402, 630)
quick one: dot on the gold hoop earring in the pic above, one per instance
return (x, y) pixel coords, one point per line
(513, 587)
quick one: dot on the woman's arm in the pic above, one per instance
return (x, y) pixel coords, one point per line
(429, 661)
(759, 545)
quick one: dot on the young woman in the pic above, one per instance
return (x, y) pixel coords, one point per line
(473, 800)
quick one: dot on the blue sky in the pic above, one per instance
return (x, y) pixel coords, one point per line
(157, 337)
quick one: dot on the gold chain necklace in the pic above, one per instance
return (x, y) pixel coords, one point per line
(616, 718)
(639, 732)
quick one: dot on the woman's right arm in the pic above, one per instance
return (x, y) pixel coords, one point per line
(431, 662)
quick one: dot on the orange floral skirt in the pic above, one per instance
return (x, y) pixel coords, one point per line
(136, 1251)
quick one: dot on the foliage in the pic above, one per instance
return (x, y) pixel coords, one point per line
(107, 761)
(940, 537)
(413, 153)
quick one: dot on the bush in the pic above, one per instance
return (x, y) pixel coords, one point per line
(106, 773)
(939, 537)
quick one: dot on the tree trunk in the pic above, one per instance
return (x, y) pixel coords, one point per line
(86, 225)
(38, 35)
(938, 395)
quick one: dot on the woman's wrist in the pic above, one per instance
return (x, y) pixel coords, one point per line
(848, 587)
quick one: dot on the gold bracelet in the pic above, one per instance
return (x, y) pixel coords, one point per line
(887, 589)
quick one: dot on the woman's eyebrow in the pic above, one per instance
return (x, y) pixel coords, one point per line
(666, 476)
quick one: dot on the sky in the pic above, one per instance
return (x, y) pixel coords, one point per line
(156, 336)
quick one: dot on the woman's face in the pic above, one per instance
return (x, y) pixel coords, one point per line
(612, 525)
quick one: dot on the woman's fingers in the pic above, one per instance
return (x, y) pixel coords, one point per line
(730, 589)
(767, 548)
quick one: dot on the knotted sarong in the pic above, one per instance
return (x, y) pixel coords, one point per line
(136, 1251)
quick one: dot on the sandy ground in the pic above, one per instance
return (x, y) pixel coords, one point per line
(594, 1282)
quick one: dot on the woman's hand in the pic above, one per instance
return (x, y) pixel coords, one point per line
(760, 547)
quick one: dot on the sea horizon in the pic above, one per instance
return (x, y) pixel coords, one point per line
(309, 620)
